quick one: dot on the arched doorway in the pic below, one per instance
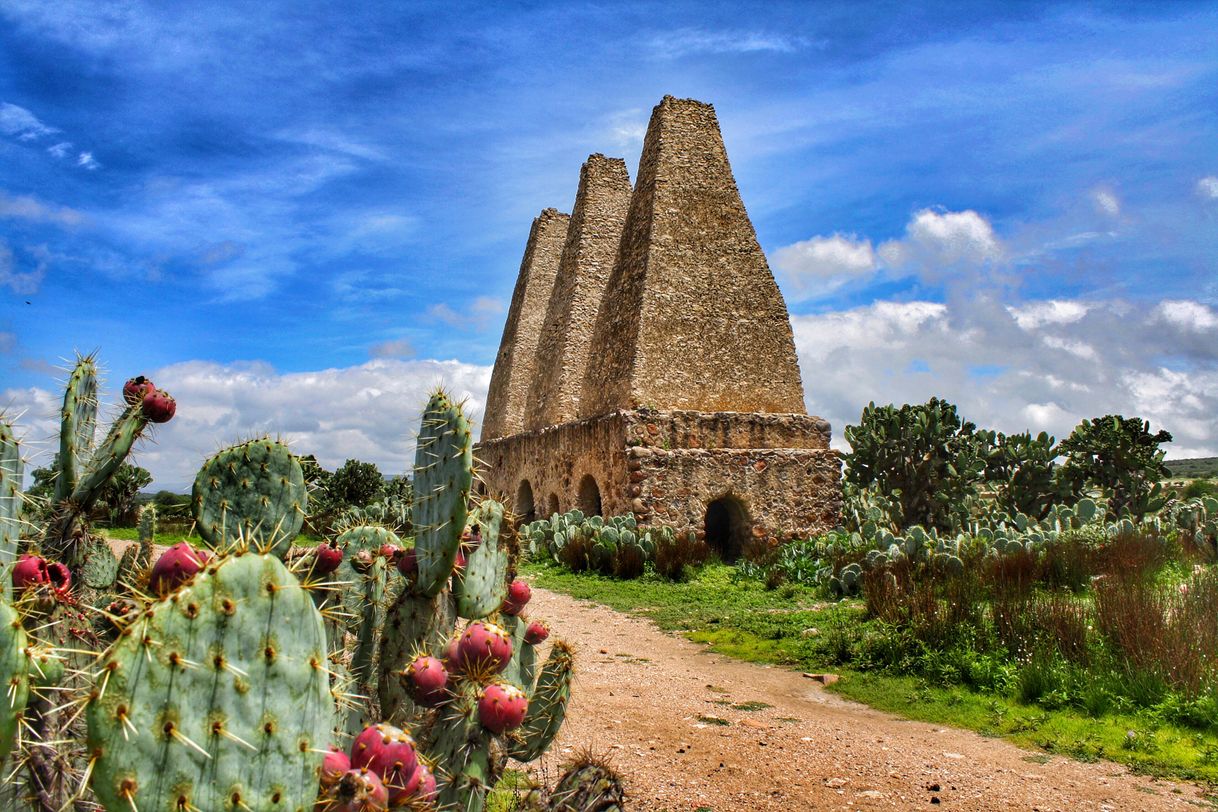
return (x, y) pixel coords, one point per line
(552, 507)
(524, 503)
(589, 496)
(727, 527)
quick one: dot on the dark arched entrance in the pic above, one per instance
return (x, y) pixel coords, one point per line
(589, 496)
(727, 527)
(553, 504)
(524, 502)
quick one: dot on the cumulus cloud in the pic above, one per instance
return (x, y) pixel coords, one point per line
(21, 123)
(1207, 187)
(1038, 366)
(938, 239)
(366, 412)
(822, 264)
(34, 210)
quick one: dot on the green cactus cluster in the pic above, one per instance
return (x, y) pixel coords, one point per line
(225, 691)
(610, 546)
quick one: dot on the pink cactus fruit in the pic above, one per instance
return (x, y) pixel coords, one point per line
(176, 566)
(484, 646)
(159, 406)
(518, 595)
(333, 766)
(408, 562)
(390, 551)
(459, 561)
(471, 537)
(33, 571)
(326, 559)
(359, 790)
(395, 760)
(426, 792)
(427, 681)
(452, 656)
(501, 707)
(361, 562)
(536, 632)
(135, 389)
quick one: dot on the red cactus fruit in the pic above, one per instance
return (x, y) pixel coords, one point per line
(361, 562)
(372, 740)
(452, 656)
(459, 562)
(326, 559)
(501, 707)
(471, 537)
(426, 791)
(159, 406)
(518, 594)
(359, 790)
(135, 389)
(390, 551)
(408, 562)
(484, 646)
(536, 633)
(333, 766)
(427, 681)
(395, 760)
(176, 566)
(35, 571)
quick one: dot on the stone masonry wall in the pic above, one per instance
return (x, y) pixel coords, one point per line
(587, 260)
(515, 365)
(697, 321)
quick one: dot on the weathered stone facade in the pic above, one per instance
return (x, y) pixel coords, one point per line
(663, 378)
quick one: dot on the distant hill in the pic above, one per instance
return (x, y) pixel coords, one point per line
(1199, 467)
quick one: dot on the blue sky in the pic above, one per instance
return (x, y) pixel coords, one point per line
(299, 216)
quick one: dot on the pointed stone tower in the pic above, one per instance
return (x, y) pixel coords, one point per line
(697, 320)
(656, 372)
(587, 260)
(514, 365)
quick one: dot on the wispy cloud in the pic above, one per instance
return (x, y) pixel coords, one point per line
(1207, 187)
(397, 348)
(480, 314)
(23, 283)
(24, 207)
(21, 123)
(87, 161)
(686, 41)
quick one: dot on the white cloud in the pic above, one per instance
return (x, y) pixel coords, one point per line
(85, 159)
(480, 314)
(1188, 315)
(1043, 366)
(1207, 187)
(19, 122)
(937, 239)
(367, 412)
(34, 210)
(1051, 311)
(61, 149)
(1107, 202)
(822, 264)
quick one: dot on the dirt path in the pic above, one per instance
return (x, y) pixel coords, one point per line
(639, 694)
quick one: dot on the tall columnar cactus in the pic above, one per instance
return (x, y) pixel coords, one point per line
(216, 697)
(443, 474)
(254, 492)
(78, 423)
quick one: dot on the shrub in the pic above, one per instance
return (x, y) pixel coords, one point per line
(677, 552)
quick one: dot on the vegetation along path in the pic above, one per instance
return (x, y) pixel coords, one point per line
(693, 730)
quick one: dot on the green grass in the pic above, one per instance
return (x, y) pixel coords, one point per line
(794, 626)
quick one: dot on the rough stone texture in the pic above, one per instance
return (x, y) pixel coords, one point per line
(691, 411)
(514, 365)
(778, 469)
(691, 283)
(587, 260)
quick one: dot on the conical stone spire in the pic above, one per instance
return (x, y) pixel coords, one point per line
(514, 365)
(691, 317)
(587, 261)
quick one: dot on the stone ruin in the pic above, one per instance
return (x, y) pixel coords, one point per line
(648, 364)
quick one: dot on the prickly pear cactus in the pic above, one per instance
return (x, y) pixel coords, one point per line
(479, 587)
(11, 469)
(14, 675)
(215, 698)
(588, 784)
(443, 474)
(78, 423)
(253, 492)
(547, 702)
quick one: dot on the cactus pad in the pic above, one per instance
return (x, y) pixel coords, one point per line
(254, 492)
(215, 698)
(480, 588)
(443, 474)
(14, 674)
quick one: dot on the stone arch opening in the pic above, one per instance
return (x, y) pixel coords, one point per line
(524, 506)
(589, 496)
(727, 526)
(552, 507)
